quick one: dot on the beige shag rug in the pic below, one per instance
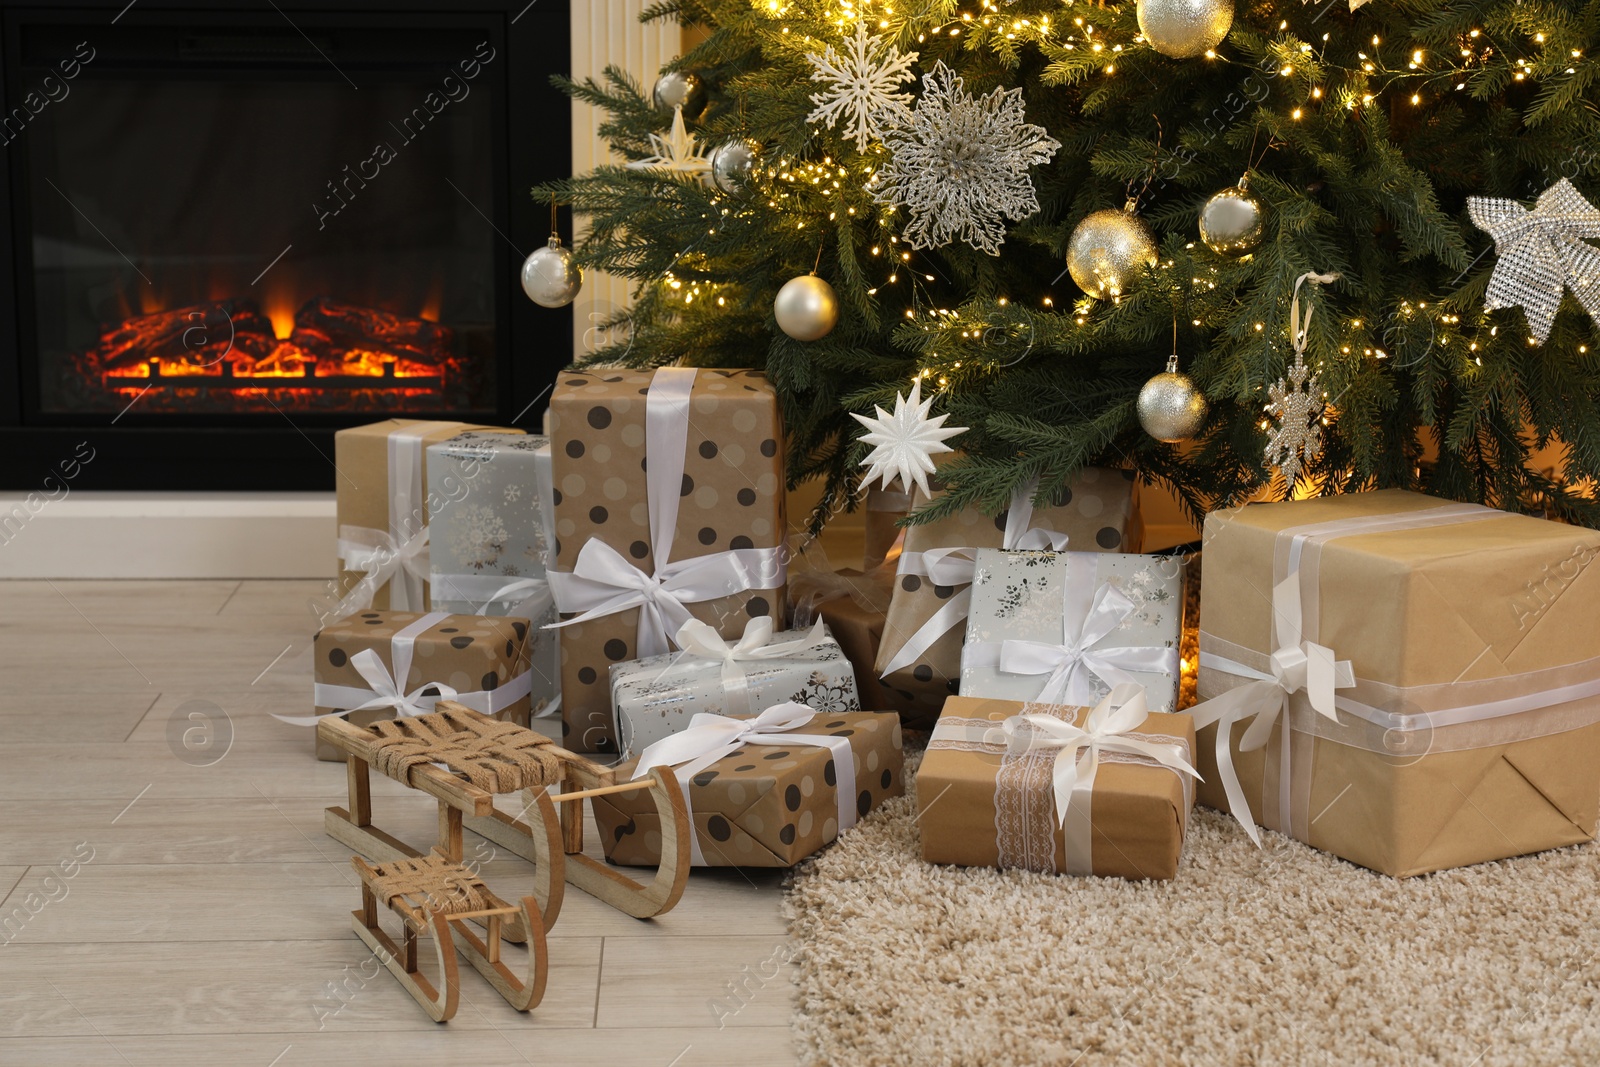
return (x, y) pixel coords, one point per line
(1280, 956)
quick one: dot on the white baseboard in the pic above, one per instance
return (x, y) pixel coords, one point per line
(167, 535)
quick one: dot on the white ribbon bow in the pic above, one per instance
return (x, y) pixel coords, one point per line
(701, 639)
(1297, 665)
(711, 737)
(381, 559)
(386, 689)
(1109, 727)
(956, 566)
(1072, 663)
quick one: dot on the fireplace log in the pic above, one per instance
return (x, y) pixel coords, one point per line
(198, 335)
(330, 330)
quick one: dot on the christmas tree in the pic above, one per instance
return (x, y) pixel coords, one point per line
(932, 162)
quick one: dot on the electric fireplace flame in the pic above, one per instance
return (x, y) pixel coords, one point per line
(238, 355)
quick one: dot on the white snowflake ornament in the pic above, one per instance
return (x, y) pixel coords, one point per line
(904, 444)
(864, 86)
(1296, 399)
(960, 164)
(1541, 254)
(676, 153)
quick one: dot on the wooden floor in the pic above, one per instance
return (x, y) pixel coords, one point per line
(170, 897)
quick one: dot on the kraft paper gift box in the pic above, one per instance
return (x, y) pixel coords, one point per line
(1066, 627)
(669, 504)
(490, 545)
(1438, 664)
(920, 655)
(380, 664)
(656, 697)
(384, 499)
(852, 605)
(989, 787)
(761, 792)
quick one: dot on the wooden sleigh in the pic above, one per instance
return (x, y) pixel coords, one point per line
(486, 757)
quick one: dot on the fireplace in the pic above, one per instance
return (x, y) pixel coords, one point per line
(234, 229)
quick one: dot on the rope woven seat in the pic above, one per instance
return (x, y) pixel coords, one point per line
(430, 884)
(500, 757)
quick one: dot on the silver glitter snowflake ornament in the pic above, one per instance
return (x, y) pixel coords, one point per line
(905, 443)
(1296, 400)
(1541, 252)
(960, 163)
(863, 86)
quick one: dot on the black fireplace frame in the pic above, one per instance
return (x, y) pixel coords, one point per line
(532, 122)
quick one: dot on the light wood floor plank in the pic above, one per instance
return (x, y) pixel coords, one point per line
(705, 981)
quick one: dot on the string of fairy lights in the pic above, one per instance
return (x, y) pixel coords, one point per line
(813, 193)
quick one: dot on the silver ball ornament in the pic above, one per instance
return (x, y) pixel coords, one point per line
(806, 308)
(1233, 221)
(731, 164)
(1171, 407)
(550, 276)
(1108, 250)
(679, 89)
(1184, 28)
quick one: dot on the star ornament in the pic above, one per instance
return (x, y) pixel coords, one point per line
(1541, 254)
(676, 153)
(904, 444)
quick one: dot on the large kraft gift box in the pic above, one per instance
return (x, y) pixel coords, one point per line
(489, 546)
(726, 517)
(411, 656)
(766, 805)
(383, 501)
(919, 657)
(1472, 731)
(983, 806)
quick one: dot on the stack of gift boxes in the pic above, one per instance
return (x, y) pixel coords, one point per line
(1404, 682)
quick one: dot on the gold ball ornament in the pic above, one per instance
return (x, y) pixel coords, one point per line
(1233, 221)
(1108, 250)
(1184, 28)
(1171, 407)
(806, 308)
(550, 276)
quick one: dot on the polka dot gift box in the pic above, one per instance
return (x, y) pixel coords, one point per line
(669, 493)
(919, 658)
(377, 664)
(769, 795)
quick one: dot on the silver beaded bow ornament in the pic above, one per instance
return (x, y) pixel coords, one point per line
(1541, 252)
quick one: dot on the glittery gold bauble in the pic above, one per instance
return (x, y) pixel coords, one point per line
(1184, 28)
(1108, 251)
(1171, 407)
(806, 308)
(1233, 221)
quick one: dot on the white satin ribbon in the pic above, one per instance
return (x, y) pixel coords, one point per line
(603, 582)
(1110, 727)
(955, 566)
(711, 737)
(1073, 664)
(528, 598)
(698, 638)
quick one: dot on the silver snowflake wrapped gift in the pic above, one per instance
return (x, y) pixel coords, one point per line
(960, 164)
(1541, 251)
(863, 86)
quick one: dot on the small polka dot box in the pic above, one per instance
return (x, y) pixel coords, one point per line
(474, 655)
(382, 489)
(984, 805)
(1098, 511)
(765, 805)
(731, 498)
(1073, 623)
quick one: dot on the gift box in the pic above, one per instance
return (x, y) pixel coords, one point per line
(384, 500)
(852, 605)
(1067, 627)
(669, 504)
(490, 545)
(380, 664)
(656, 697)
(761, 792)
(1009, 784)
(885, 508)
(1436, 665)
(920, 655)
